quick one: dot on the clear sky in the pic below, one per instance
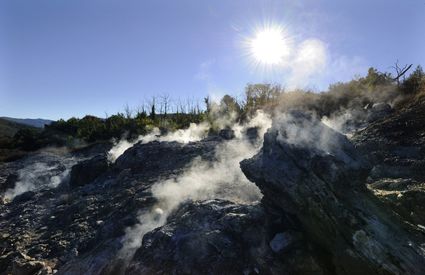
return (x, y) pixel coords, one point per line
(63, 58)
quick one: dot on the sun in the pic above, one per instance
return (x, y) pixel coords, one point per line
(270, 46)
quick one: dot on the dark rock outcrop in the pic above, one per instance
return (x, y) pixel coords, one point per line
(86, 171)
(9, 183)
(79, 230)
(221, 237)
(24, 197)
(315, 174)
(227, 134)
(162, 157)
(379, 111)
(395, 148)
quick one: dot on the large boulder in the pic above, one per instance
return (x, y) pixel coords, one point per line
(162, 157)
(379, 111)
(307, 170)
(93, 220)
(221, 237)
(86, 171)
(396, 145)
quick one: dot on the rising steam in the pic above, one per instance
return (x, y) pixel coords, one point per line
(44, 170)
(195, 132)
(203, 180)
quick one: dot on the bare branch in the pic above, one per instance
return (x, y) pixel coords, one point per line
(400, 71)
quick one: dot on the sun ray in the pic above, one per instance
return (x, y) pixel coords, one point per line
(269, 46)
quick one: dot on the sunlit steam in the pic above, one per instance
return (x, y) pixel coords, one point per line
(203, 180)
(195, 132)
(273, 50)
(44, 171)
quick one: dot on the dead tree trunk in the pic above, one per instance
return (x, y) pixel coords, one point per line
(400, 72)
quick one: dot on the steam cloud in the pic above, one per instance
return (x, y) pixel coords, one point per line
(311, 58)
(195, 132)
(305, 130)
(46, 172)
(203, 180)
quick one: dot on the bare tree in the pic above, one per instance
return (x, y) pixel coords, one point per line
(182, 107)
(165, 104)
(198, 108)
(400, 71)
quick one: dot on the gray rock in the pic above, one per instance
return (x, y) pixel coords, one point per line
(396, 145)
(217, 237)
(379, 111)
(319, 177)
(117, 198)
(227, 134)
(86, 171)
(161, 157)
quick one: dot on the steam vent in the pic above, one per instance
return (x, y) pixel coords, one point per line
(190, 137)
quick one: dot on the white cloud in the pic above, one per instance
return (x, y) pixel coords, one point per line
(310, 60)
(313, 63)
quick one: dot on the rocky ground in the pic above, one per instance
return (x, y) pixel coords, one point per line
(330, 205)
(395, 146)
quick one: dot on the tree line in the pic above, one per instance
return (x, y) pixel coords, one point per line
(170, 114)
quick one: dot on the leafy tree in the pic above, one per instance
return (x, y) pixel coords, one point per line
(141, 115)
(260, 96)
(375, 78)
(26, 139)
(228, 105)
(415, 83)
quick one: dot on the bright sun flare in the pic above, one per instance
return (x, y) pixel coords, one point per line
(269, 46)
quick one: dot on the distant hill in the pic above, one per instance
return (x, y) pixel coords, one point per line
(37, 122)
(9, 128)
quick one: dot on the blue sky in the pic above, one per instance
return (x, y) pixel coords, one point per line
(70, 58)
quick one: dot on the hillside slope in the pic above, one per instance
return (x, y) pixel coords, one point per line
(10, 128)
(36, 122)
